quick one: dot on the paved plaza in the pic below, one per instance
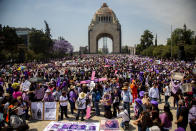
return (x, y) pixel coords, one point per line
(40, 125)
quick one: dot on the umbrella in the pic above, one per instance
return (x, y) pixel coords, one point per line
(36, 79)
(21, 68)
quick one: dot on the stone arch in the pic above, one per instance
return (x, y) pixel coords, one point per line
(109, 26)
(99, 36)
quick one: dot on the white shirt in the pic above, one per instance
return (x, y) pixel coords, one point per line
(83, 103)
(124, 115)
(167, 91)
(62, 98)
(154, 93)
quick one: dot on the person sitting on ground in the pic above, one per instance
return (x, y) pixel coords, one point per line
(124, 115)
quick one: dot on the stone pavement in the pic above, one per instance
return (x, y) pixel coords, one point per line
(40, 125)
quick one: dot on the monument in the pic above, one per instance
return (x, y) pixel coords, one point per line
(104, 24)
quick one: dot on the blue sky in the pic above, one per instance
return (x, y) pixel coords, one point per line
(71, 18)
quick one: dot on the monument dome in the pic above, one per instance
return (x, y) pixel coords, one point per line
(105, 14)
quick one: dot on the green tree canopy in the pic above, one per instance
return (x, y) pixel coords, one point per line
(39, 42)
(146, 39)
(181, 35)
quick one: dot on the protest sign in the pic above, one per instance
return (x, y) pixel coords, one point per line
(93, 75)
(26, 85)
(72, 126)
(187, 87)
(37, 110)
(108, 124)
(50, 111)
(102, 79)
(177, 76)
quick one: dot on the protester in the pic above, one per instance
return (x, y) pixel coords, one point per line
(124, 115)
(182, 115)
(167, 93)
(154, 92)
(72, 98)
(107, 102)
(127, 98)
(166, 118)
(192, 116)
(63, 104)
(118, 79)
(81, 103)
(48, 97)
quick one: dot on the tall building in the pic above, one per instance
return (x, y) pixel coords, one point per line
(24, 34)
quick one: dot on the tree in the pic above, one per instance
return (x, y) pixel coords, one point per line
(156, 40)
(181, 34)
(39, 42)
(48, 34)
(47, 30)
(146, 39)
(62, 47)
(8, 43)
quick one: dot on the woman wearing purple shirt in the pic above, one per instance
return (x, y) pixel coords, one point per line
(72, 98)
(48, 97)
(166, 118)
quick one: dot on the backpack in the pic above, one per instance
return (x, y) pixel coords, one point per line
(80, 104)
(16, 121)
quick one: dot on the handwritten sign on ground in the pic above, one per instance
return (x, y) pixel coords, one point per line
(109, 124)
(72, 126)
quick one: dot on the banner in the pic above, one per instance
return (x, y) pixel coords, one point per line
(26, 85)
(72, 126)
(37, 110)
(107, 125)
(187, 87)
(177, 76)
(50, 111)
(93, 75)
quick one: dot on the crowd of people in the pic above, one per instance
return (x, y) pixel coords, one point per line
(114, 82)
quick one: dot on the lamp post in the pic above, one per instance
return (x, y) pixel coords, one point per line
(171, 41)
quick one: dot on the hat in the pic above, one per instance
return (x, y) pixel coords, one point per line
(72, 87)
(84, 85)
(6, 94)
(153, 102)
(78, 84)
(82, 95)
(141, 93)
(138, 101)
(125, 88)
(15, 85)
(48, 90)
(121, 107)
(19, 97)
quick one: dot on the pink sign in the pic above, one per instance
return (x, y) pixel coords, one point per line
(116, 72)
(88, 112)
(102, 79)
(107, 66)
(93, 75)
